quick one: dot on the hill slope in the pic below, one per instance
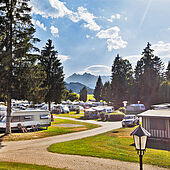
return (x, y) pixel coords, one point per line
(86, 79)
(76, 87)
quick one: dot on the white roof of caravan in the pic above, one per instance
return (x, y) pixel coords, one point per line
(89, 110)
(156, 113)
(2, 107)
(29, 111)
(136, 105)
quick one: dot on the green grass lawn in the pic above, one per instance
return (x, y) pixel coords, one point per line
(21, 166)
(52, 131)
(117, 144)
(89, 96)
(72, 114)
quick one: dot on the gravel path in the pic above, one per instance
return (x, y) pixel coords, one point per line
(35, 152)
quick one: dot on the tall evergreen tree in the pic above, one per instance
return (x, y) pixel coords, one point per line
(165, 87)
(54, 72)
(168, 72)
(148, 76)
(106, 92)
(98, 89)
(16, 34)
(121, 80)
(83, 94)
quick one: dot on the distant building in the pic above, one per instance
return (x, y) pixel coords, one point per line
(157, 121)
(135, 108)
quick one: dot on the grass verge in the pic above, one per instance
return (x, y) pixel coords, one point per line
(52, 131)
(22, 166)
(117, 144)
(72, 114)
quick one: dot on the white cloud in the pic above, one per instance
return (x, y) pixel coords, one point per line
(56, 9)
(113, 17)
(41, 25)
(60, 7)
(63, 58)
(161, 49)
(114, 40)
(87, 36)
(54, 31)
(83, 14)
(133, 59)
(97, 70)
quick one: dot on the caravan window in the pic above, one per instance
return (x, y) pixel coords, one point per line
(28, 117)
(21, 118)
(44, 116)
(17, 119)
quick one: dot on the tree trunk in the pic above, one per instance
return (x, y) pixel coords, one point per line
(9, 90)
(49, 105)
(8, 118)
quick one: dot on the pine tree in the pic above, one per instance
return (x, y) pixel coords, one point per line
(83, 94)
(98, 89)
(121, 81)
(16, 34)
(54, 72)
(148, 76)
(168, 72)
(106, 92)
(165, 87)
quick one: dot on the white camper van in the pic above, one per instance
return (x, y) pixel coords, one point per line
(27, 119)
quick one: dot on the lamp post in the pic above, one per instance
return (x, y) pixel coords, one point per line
(140, 138)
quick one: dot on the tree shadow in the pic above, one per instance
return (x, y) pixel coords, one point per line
(1, 139)
(158, 144)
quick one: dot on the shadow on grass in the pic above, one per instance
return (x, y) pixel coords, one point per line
(1, 139)
(157, 144)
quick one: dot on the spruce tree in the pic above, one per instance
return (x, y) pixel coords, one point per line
(168, 72)
(83, 94)
(121, 81)
(54, 81)
(98, 89)
(16, 34)
(106, 92)
(148, 76)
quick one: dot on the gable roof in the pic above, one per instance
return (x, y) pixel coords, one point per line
(163, 113)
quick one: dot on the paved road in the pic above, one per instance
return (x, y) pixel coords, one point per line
(35, 152)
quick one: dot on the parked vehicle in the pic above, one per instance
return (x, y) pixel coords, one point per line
(27, 119)
(64, 109)
(130, 120)
(135, 108)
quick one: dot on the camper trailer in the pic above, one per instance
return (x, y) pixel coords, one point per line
(27, 119)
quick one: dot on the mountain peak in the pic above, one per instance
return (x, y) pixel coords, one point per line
(86, 79)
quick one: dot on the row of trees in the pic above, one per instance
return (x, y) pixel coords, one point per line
(26, 72)
(148, 83)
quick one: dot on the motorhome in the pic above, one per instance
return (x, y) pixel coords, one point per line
(27, 119)
(135, 108)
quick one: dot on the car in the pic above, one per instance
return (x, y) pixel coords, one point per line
(130, 120)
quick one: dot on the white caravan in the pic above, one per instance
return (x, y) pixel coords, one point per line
(27, 119)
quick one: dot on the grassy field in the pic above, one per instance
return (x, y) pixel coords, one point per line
(52, 131)
(21, 166)
(72, 114)
(89, 96)
(117, 144)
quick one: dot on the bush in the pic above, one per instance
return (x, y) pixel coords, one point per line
(116, 117)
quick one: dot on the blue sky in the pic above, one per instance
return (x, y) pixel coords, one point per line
(88, 34)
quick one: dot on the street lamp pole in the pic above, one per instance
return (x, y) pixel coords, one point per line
(140, 138)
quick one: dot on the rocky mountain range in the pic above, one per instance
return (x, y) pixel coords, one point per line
(76, 87)
(86, 79)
